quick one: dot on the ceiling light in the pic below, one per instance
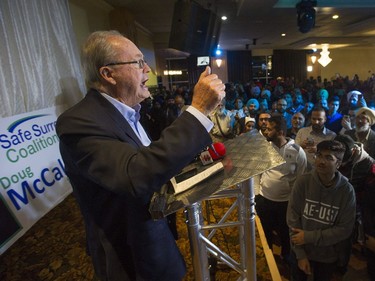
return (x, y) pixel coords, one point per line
(218, 62)
(172, 72)
(224, 18)
(324, 59)
(283, 34)
(335, 17)
(306, 15)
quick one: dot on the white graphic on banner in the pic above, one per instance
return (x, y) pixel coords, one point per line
(32, 176)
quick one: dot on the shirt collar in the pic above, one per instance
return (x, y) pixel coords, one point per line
(131, 114)
(324, 131)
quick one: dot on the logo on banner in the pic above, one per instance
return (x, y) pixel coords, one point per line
(32, 178)
(25, 140)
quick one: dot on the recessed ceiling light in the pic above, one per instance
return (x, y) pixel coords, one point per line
(335, 17)
(224, 18)
(283, 34)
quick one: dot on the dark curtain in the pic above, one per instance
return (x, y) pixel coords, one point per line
(239, 66)
(289, 63)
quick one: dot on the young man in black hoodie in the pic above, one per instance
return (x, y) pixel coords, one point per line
(321, 215)
(358, 167)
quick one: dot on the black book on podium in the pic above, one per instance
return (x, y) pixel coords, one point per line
(246, 156)
(190, 176)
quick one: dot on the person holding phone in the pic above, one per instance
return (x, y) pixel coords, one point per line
(309, 137)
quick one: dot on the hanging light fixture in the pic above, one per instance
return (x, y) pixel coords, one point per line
(218, 62)
(324, 59)
(313, 59)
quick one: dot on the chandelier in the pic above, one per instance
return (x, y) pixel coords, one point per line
(324, 59)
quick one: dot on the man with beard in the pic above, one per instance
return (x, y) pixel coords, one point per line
(262, 122)
(364, 119)
(297, 104)
(223, 121)
(321, 215)
(276, 185)
(262, 127)
(309, 137)
(281, 107)
(252, 107)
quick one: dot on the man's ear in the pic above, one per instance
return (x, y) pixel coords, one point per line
(106, 73)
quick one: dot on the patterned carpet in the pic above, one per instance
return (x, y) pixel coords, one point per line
(54, 249)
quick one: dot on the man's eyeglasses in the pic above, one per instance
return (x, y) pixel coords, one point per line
(327, 158)
(141, 63)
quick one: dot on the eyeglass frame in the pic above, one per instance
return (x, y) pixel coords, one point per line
(326, 158)
(141, 63)
(264, 119)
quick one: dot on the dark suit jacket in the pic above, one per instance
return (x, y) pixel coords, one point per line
(113, 178)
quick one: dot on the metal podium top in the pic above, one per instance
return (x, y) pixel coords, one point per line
(246, 156)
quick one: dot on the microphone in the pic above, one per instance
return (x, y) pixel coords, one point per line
(214, 151)
(217, 150)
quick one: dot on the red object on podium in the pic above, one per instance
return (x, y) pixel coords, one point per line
(217, 150)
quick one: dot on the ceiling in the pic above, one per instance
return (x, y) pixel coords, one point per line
(258, 24)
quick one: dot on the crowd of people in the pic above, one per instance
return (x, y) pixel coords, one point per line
(119, 146)
(340, 97)
(323, 129)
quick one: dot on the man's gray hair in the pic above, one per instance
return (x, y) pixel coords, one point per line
(96, 52)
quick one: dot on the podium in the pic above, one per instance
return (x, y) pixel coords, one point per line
(247, 156)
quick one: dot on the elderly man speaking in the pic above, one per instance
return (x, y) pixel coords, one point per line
(113, 166)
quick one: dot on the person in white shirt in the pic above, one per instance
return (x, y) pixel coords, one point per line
(276, 184)
(309, 137)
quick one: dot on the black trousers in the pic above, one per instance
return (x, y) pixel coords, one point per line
(370, 256)
(273, 217)
(321, 271)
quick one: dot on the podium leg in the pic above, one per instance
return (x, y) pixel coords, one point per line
(247, 216)
(194, 221)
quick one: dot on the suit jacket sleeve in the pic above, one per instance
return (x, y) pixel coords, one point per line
(97, 143)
